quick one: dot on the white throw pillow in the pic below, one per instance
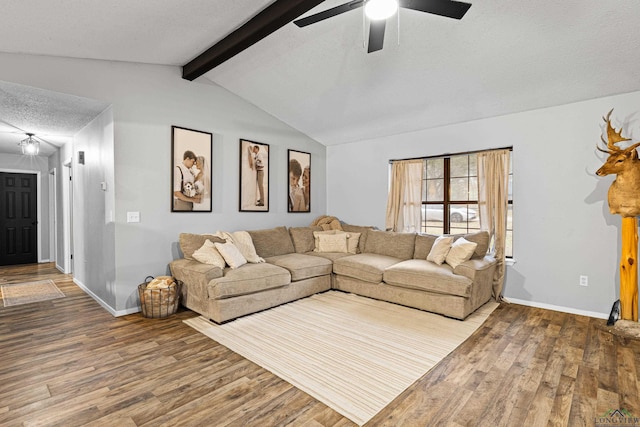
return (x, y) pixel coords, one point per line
(244, 243)
(440, 249)
(461, 251)
(231, 254)
(208, 254)
(330, 242)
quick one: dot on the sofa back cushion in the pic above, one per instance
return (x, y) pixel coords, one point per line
(481, 238)
(272, 242)
(189, 242)
(389, 243)
(424, 242)
(302, 237)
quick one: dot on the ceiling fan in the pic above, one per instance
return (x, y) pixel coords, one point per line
(446, 8)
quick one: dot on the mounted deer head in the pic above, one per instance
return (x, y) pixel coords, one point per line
(624, 193)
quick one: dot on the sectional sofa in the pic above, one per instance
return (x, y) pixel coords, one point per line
(296, 262)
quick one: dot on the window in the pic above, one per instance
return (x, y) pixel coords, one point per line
(450, 197)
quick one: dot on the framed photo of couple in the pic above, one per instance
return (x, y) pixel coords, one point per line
(299, 181)
(254, 176)
(191, 155)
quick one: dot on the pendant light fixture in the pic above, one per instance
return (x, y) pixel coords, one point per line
(29, 145)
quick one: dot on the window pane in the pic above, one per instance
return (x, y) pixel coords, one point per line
(434, 190)
(463, 218)
(435, 168)
(459, 166)
(432, 219)
(508, 251)
(473, 165)
(473, 188)
(459, 189)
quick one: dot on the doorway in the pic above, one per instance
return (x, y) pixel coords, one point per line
(18, 218)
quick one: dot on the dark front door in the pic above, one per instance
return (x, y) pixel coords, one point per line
(18, 218)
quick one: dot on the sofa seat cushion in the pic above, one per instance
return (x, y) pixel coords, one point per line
(368, 267)
(248, 279)
(302, 266)
(428, 276)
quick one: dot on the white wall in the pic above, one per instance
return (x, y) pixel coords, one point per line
(146, 100)
(62, 239)
(562, 225)
(93, 210)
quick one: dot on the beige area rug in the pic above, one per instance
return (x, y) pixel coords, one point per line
(25, 293)
(352, 353)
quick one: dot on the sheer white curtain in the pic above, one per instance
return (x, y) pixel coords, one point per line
(405, 196)
(493, 198)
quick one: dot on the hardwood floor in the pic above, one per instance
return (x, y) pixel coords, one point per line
(68, 362)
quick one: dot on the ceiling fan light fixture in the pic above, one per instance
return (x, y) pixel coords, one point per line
(377, 10)
(29, 146)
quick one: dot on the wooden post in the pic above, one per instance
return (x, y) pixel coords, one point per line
(629, 270)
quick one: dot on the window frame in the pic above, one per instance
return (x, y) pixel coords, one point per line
(447, 203)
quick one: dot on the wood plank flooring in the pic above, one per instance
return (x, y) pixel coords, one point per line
(68, 362)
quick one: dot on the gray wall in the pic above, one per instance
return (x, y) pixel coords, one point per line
(93, 209)
(146, 100)
(562, 225)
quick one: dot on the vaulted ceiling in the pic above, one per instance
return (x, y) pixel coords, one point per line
(501, 58)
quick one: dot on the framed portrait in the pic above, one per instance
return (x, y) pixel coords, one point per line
(191, 155)
(299, 181)
(254, 176)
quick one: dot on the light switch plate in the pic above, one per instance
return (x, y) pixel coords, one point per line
(133, 216)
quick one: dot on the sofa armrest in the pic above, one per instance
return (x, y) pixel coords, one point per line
(473, 267)
(194, 272)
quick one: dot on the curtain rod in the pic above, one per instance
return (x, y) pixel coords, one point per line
(452, 154)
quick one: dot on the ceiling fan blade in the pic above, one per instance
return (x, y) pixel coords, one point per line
(303, 22)
(446, 8)
(376, 35)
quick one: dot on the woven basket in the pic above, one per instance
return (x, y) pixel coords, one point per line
(159, 303)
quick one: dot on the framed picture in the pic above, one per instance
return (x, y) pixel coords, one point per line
(191, 154)
(254, 176)
(299, 181)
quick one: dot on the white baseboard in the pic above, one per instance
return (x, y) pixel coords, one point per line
(115, 313)
(595, 314)
(60, 269)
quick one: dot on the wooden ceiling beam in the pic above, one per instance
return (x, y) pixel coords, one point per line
(273, 17)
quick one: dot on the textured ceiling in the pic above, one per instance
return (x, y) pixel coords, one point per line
(53, 117)
(501, 58)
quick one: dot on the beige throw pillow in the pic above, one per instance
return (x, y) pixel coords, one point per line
(330, 242)
(352, 242)
(231, 254)
(440, 249)
(353, 239)
(461, 251)
(243, 242)
(208, 254)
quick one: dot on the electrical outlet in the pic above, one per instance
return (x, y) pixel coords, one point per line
(584, 280)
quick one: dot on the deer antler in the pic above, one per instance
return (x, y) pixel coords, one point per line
(613, 137)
